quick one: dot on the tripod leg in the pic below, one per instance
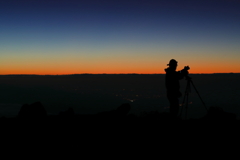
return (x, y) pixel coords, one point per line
(182, 104)
(186, 107)
(185, 97)
(199, 95)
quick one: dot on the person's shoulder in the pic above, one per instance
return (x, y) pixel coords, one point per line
(168, 70)
(171, 72)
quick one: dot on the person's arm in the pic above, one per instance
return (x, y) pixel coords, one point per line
(183, 72)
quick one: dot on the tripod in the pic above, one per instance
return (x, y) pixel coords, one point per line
(187, 91)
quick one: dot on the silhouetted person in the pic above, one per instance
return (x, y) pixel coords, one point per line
(172, 84)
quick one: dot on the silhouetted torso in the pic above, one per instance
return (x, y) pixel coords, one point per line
(172, 80)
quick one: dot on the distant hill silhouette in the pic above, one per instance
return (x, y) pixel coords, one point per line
(35, 110)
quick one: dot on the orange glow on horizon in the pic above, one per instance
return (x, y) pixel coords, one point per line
(114, 67)
(20, 72)
(115, 62)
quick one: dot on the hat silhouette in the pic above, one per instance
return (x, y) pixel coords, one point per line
(172, 62)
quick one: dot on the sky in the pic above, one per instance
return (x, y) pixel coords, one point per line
(128, 36)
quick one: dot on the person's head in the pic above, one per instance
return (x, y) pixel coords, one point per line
(172, 64)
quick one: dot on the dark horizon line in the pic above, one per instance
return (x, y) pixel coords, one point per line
(104, 74)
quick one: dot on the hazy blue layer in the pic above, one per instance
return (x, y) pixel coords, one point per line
(98, 93)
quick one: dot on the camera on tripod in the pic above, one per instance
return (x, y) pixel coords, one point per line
(185, 71)
(186, 68)
(188, 89)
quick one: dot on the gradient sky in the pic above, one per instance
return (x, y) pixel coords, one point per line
(127, 36)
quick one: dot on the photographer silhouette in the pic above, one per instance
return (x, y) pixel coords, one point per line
(172, 85)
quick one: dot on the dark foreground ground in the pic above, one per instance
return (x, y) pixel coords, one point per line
(34, 116)
(117, 133)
